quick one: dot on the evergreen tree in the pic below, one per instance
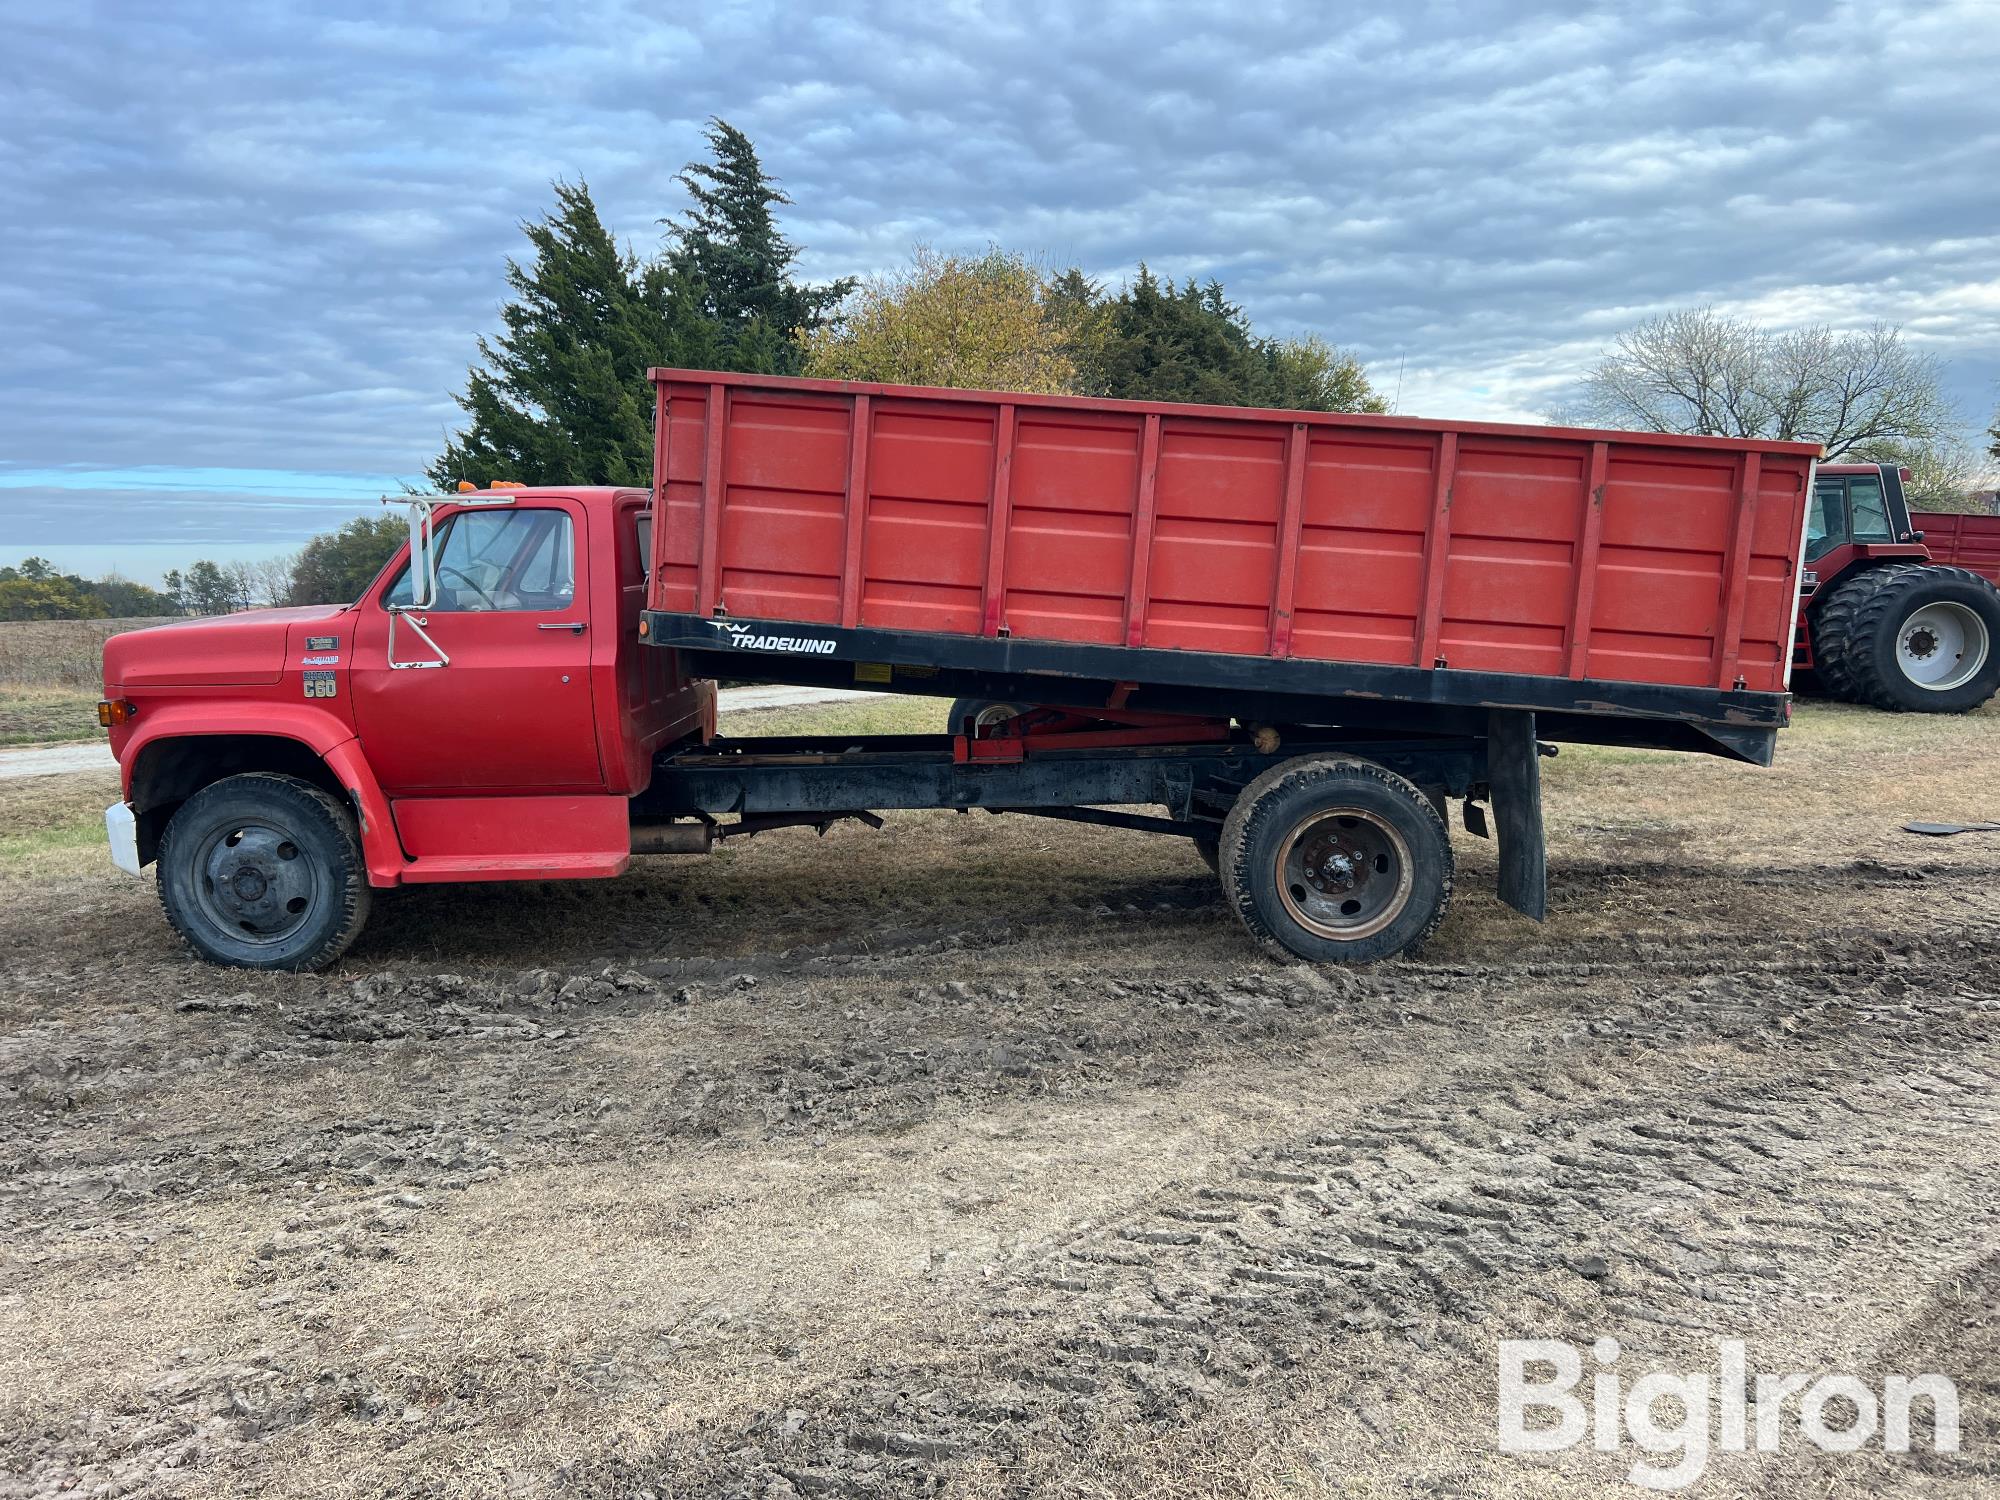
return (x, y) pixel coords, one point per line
(728, 245)
(562, 396)
(209, 591)
(1157, 341)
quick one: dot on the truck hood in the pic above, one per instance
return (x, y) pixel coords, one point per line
(219, 650)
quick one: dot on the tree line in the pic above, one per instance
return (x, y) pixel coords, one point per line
(560, 395)
(332, 568)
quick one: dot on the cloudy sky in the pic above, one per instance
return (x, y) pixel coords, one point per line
(247, 248)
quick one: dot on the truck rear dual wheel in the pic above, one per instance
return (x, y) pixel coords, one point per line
(1336, 860)
(264, 872)
(1917, 639)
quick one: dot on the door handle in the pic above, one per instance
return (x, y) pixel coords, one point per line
(574, 627)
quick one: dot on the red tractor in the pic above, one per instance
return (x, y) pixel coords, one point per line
(1883, 620)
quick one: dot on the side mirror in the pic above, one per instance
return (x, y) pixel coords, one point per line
(423, 559)
(422, 573)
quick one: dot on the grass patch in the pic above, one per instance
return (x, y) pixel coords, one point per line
(38, 714)
(58, 653)
(34, 806)
(59, 838)
(888, 714)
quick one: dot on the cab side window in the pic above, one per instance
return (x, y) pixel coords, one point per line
(1826, 520)
(512, 559)
(1825, 501)
(1871, 513)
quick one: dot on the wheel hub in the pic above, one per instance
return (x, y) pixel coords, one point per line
(1337, 872)
(1942, 646)
(1344, 874)
(255, 881)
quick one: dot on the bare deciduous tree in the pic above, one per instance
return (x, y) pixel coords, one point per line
(1943, 475)
(1861, 394)
(271, 579)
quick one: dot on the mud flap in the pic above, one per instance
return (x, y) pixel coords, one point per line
(1513, 770)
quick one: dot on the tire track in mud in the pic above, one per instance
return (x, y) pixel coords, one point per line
(1623, 1200)
(1397, 1230)
(920, 1042)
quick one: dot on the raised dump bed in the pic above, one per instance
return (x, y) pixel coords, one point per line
(1286, 566)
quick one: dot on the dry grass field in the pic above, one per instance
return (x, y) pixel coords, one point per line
(985, 1156)
(50, 678)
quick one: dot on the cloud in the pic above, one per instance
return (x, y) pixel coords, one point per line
(255, 238)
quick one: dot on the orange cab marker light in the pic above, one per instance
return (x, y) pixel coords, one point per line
(467, 487)
(114, 711)
(507, 484)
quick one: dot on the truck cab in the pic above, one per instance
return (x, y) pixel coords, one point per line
(484, 715)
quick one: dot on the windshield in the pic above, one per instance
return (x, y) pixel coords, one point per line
(519, 558)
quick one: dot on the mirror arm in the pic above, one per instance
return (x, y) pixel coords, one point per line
(416, 624)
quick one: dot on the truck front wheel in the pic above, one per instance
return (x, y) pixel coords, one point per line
(263, 872)
(1336, 861)
(1924, 642)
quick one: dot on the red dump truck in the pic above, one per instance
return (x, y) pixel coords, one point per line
(1287, 637)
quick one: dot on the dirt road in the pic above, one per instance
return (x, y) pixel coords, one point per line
(984, 1156)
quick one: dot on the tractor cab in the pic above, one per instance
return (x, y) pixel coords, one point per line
(1859, 505)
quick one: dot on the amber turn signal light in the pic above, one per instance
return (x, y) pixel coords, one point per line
(114, 711)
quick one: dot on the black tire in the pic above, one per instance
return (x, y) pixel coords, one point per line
(1832, 627)
(1369, 821)
(264, 872)
(1926, 641)
(986, 710)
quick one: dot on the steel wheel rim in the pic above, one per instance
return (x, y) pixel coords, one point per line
(255, 883)
(1344, 873)
(995, 713)
(1942, 646)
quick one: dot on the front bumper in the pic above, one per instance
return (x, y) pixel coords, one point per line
(122, 829)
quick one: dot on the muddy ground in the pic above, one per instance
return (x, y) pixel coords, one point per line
(985, 1157)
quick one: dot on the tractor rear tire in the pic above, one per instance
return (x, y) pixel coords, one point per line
(1926, 641)
(1336, 860)
(1832, 628)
